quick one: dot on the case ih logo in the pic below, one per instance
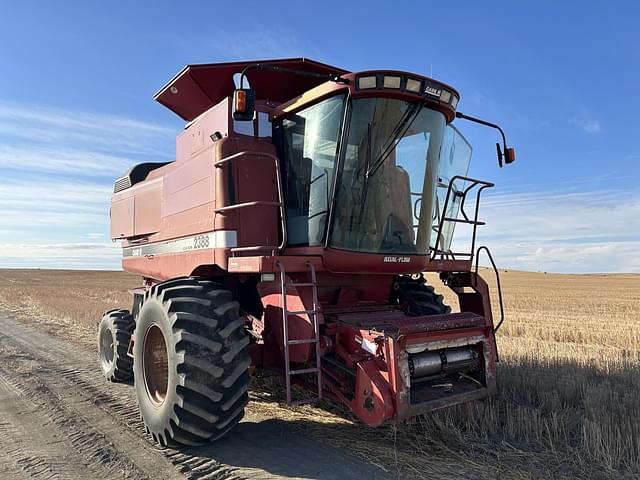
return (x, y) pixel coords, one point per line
(432, 91)
(396, 259)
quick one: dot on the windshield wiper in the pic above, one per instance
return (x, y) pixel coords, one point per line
(401, 128)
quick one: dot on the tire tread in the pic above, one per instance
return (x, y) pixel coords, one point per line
(211, 349)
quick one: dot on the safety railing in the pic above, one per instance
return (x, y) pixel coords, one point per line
(498, 285)
(440, 251)
(258, 203)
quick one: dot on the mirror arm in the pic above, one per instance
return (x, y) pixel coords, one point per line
(247, 97)
(334, 77)
(501, 155)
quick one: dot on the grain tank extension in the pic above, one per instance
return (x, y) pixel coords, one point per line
(291, 233)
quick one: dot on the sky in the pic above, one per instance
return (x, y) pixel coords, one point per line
(76, 110)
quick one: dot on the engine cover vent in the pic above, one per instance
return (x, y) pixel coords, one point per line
(136, 174)
(122, 184)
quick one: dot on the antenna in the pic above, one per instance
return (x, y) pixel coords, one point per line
(431, 70)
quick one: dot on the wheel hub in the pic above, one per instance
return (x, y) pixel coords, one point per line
(155, 365)
(107, 347)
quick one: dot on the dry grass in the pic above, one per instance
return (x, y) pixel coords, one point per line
(569, 380)
(65, 302)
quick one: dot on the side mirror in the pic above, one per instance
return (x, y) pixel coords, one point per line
(509, 155)
(244, 104)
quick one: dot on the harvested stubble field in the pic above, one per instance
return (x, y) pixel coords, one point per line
(569, 379)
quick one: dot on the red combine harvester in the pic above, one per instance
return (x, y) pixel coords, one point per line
(291, 233)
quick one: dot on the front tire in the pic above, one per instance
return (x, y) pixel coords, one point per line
(114, 335)
(192, 362)
(418, 298)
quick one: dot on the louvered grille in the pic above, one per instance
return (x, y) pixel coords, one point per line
(122, 184)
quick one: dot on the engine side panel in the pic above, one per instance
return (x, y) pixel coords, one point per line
(122, 220)
(170, 221)
(147, 217)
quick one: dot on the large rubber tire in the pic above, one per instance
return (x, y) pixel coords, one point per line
(417, 297)
(114, 335)
(191, 362)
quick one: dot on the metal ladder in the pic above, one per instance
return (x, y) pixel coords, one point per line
(286, 313)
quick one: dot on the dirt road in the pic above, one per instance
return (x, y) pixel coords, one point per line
(60, 420)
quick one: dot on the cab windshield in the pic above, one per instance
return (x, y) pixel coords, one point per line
(388, 181)
(385, 185)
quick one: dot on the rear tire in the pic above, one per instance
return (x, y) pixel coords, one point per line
(114, 335)
(417, 297)
(191, 367)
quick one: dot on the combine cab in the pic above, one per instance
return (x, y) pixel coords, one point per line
(291, 233)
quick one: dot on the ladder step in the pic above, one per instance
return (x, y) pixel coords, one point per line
(302, 341)
(286, 314)
(300, 312)
(304, 370)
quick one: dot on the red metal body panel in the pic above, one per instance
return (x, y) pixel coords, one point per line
(330, 88)
(299, 325)
(163, 267)
(122, 220)
(199, 87)
(383, 374)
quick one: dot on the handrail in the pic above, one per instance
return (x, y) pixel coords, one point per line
(495, 269)
(279, 203)
(256, 203)
(439, 236)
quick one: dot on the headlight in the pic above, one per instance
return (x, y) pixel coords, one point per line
(366, 82)
(391, 82)
(413, 85)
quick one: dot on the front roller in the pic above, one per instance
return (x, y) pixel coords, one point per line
(191, 362)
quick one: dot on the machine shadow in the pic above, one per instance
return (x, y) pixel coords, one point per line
(544, 422)
(275, 446)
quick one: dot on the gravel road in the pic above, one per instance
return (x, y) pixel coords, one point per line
(59, 419)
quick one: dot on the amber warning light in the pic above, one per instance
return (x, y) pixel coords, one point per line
(241, 100)
(244, 100)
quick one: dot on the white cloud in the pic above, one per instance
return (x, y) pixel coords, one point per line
(46, 211)
(61, 255)
(85, 130)
(587, 122)
(62, 160)
(40, 202)
(559, 231)
(259, 43)
(591, 126)
(42, 140)
(558, 215)
(58, 172)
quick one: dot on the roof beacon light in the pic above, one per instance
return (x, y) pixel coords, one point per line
(367, 82)
(413, 85)
(391, 82)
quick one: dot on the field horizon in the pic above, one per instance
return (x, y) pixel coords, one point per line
(568, 404)
(501, 269)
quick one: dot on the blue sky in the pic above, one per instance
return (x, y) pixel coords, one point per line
(76, 109)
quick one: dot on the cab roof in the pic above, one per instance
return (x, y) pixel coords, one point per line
(199, 87)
